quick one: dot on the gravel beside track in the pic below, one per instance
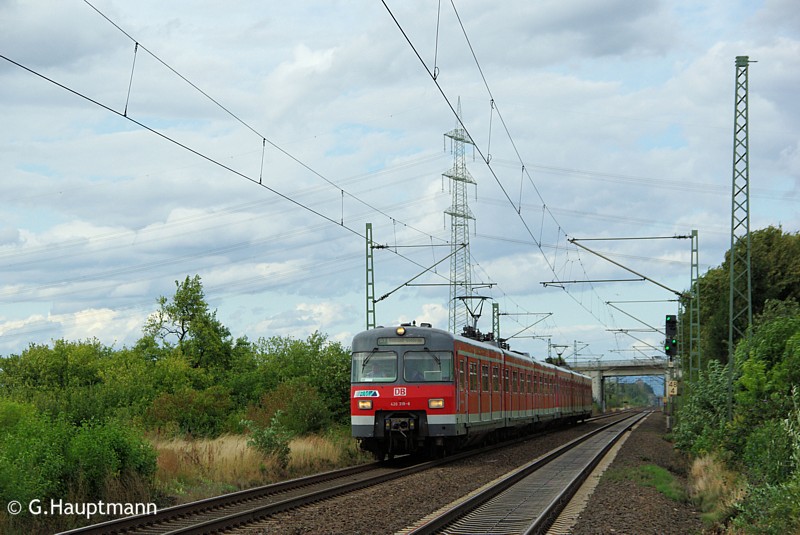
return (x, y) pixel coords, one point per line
(621, 506)
(617, 506)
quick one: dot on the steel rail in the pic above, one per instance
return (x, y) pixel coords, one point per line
(183, 513)
(554, 508)
(440, 522)
(129, 523)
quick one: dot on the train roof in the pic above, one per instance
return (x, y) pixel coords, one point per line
(440, 335)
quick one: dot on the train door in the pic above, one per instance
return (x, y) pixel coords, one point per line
(515, 393)
(463, 406)
(528, 394)
(546, 393)
(473, 395)
(541, 393)
(497, 402)
(558, 393)
(486, 398)
(506, 393)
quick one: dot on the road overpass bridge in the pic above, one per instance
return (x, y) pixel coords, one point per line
(599, 369)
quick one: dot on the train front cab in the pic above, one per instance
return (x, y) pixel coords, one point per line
(402, 390)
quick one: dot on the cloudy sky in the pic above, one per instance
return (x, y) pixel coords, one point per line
(250, 142)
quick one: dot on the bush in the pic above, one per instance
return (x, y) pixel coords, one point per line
(701, 421)
(770, 509)
(100, 451)
(272, 440)
(33, 458)
(774, 506)
(767, 454)
(200, 413)
(11, 413)
(297, 405)
(44, 458)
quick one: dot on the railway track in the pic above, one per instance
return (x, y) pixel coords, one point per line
(236, 508)
(529, 499)
(240, 508)
(245, 507)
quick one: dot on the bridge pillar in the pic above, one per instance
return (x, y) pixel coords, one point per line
(597, 388)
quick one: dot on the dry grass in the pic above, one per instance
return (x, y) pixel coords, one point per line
(715, 489)
(195, 469)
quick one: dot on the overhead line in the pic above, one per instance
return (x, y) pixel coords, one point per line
(246, 125)
(205, 157)
(485, 158)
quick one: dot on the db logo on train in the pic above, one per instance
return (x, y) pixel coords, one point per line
(399, 391)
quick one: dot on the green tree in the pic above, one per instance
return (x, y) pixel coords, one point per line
(775, 273)
(63, 379)
(321, 364)
(186, 319)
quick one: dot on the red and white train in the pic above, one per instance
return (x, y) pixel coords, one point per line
(416, 389)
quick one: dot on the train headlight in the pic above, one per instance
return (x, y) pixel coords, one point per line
(400, 331)
(436, 403)
(365, 404)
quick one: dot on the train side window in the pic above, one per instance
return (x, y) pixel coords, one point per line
(462, 380)
(495, 378)
(515, 381)
(428, 366)
(529, 384)
(485, 378)
(473, 376)
(505, 380)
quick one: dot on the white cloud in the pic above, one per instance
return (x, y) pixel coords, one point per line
(622, 114)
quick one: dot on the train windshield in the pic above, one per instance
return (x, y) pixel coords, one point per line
(374, 367)
(428, 366)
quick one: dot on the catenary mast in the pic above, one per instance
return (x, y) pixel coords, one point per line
(740, 298)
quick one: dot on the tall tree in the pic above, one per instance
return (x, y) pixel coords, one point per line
(186, 319)
(775, 272)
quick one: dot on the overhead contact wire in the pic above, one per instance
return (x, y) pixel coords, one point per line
(244, 123)
(198, 153)
(480, 152)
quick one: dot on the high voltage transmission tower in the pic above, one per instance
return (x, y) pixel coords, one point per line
(460, 216)
(740, 297)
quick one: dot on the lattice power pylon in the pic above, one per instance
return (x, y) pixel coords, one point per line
(741, 303)
(460, 216)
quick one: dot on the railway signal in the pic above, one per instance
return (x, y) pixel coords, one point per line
(671, 343)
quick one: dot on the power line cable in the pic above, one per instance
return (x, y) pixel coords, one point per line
(486, 158)
(212, 160)
(262, 137)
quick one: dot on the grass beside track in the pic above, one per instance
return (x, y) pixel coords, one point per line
(193, 469)
(651, 475)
